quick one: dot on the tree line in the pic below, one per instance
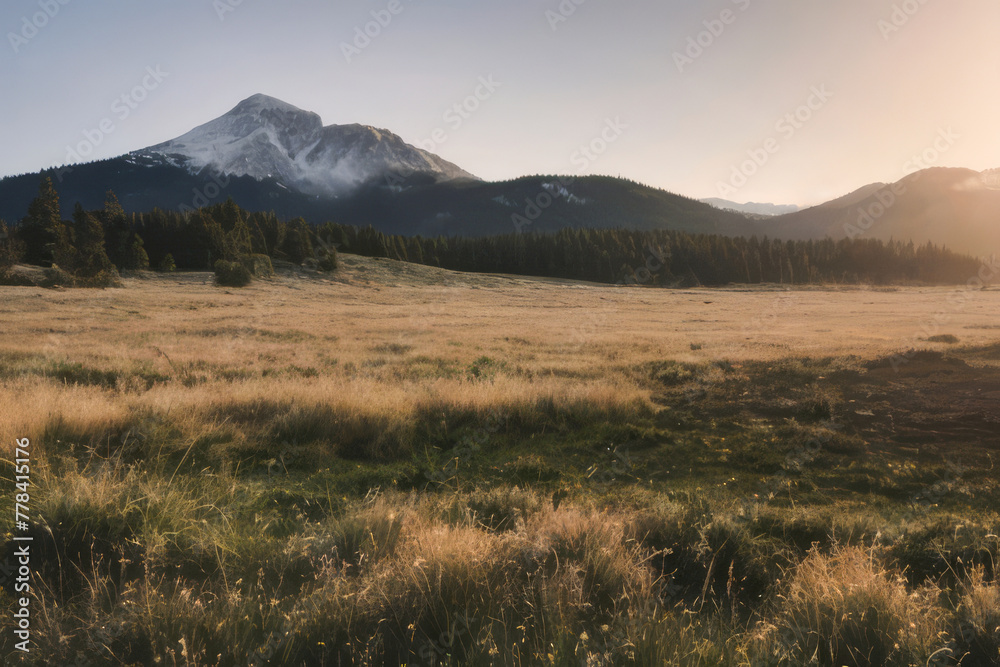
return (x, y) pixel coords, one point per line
(96, 244)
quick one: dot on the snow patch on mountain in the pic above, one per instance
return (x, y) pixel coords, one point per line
(263, 137)
(559, 190)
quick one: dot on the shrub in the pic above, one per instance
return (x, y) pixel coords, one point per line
(14, 278)
(167, 264)
(232, 274)
(56, 277)
(104, 278)
(259, 266)
(672, 373)
(329, 262)
(485, 368)
(951, 339)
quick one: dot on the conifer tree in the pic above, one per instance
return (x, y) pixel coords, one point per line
(11, 250)
(137, 259)
(297, 245)
(414, 251)
(167, 264)
(42, 228)
(238, 241)
(117, 233)
(89, 257)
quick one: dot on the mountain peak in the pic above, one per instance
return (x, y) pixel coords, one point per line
(266, 138)
(262, 102)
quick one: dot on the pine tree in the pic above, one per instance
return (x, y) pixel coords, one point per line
(117, 234)
(325, 248)
(11, 250)
(414, 251)
(42, 229)
(229, 214)
(91, 259)
(206, 240)
(329, 260)
(137, 259)
(399, 250)
(297, 245)
(238, 241)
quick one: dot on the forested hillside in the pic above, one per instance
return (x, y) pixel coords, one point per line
(101, 241)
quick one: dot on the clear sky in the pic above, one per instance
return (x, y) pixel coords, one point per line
(927, 74)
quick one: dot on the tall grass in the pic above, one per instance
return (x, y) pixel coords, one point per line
(137, 567)
(215, 487)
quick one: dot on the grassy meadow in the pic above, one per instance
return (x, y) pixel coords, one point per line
(404, 465)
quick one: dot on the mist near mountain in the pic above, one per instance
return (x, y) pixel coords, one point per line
(957, 208)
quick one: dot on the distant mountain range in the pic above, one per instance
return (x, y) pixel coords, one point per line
(269, 155)
(753, 208)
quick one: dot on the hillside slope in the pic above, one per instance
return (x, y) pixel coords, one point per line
(957, 208)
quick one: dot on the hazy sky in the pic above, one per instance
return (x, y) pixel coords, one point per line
(927, 74)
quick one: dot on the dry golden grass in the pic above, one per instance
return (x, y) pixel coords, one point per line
(366, 344)
(844, 608)
(208, 565)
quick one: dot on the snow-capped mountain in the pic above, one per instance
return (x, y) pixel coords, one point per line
(265, 138)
